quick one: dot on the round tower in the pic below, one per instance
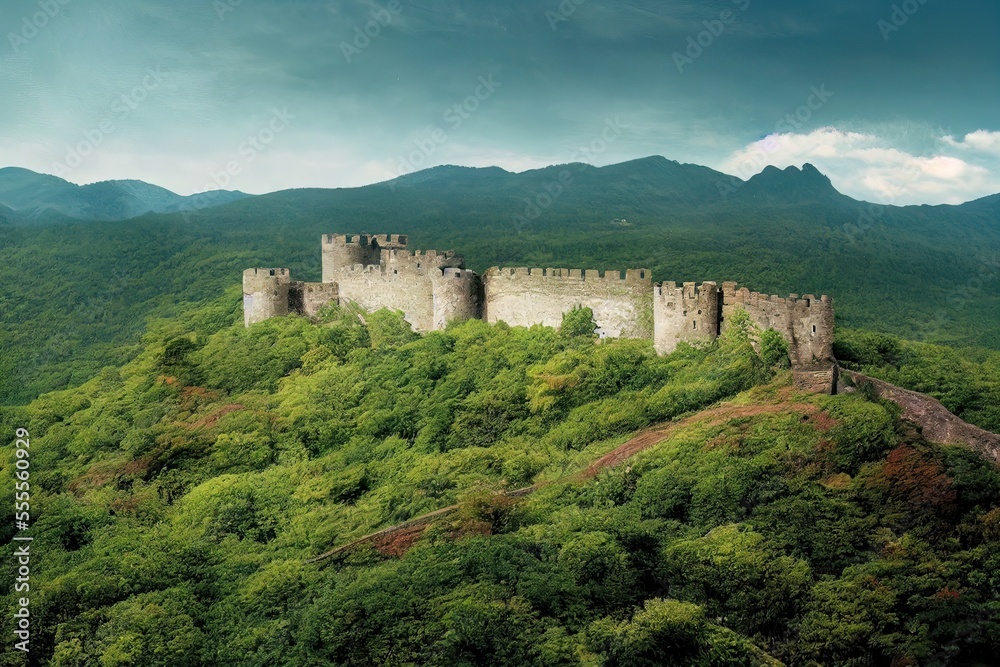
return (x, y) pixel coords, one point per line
(457, 296)
(342, 251)
(265, 294)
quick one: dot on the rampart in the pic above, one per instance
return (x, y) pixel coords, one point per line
(688, 313)
(622, 305)
(265, 294)
(433, 288)
(346, 250)
(806, 322)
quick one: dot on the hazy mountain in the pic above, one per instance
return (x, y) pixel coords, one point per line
(44, 197)
(7, 216)
(923, 272)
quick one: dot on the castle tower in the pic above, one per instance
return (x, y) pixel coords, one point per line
(689, 313)
(343, 251)
(805, 322)
(458, 296)
(265, 294)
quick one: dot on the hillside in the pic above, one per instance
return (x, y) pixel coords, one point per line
(921, 272)
(689, 509)
(41, 197)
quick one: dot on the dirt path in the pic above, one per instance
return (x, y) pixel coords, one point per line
(395, 540)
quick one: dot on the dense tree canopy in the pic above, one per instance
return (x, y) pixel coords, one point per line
(178, 498)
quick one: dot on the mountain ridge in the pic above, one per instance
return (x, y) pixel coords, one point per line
(46, 197)
(890, 269)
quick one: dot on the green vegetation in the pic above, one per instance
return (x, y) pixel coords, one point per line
(177, 498)
(966, 381)
(76, 296)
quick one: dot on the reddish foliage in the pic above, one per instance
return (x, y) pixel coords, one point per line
(917, 480)
(947, 594)
(398, 542)
(210, 420)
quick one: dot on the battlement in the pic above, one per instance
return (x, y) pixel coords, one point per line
(281, 275)
(732, 293)
(265, 294)
(366, 240)
(632, 276)
(433, 288)
(419, 260)
(674, 296)
(458, 274)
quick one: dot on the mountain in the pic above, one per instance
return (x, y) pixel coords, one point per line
(44, 197)
(791, 185)
(7, 216)
(922, 272)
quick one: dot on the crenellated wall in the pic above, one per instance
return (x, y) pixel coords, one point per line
(345, 250)
(688, 313)
(309, 298)
(265, 294)
(622, 306)
(805, 322)
(458, 296)
(433, 288)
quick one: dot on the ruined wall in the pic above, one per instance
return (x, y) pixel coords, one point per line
(433, 288)
(458, 296)
(265, 294)
(309, 298)
(429, 287)
(622, 307)
(687, 313)
(343, 251)
(805, 322)
(374, 288)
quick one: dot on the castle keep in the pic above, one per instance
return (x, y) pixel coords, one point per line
(434, 288)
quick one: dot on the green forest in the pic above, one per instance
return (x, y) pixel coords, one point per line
(77, 295)
(603, 505)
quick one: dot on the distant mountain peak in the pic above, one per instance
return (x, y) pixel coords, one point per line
(791, 183)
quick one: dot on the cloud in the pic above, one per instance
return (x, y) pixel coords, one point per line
(867, 166)
(980, 140)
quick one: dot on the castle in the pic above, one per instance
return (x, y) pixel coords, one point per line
(434, 288)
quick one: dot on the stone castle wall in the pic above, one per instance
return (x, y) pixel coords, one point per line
(622, 306)
(309, 298)
(265, 294)
(688, 313)
(805, 322)
(433, 288)
(346, 250)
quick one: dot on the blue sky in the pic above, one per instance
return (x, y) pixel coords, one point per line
(896, 102)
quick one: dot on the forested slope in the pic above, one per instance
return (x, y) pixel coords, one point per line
(177, 499)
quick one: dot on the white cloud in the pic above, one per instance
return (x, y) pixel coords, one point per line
(980, 140)
(865, 166)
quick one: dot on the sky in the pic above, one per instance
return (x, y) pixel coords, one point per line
(897, 102)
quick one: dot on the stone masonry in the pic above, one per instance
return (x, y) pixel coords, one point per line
(434, 288)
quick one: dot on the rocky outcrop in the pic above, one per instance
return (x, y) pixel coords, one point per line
(936, 422)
